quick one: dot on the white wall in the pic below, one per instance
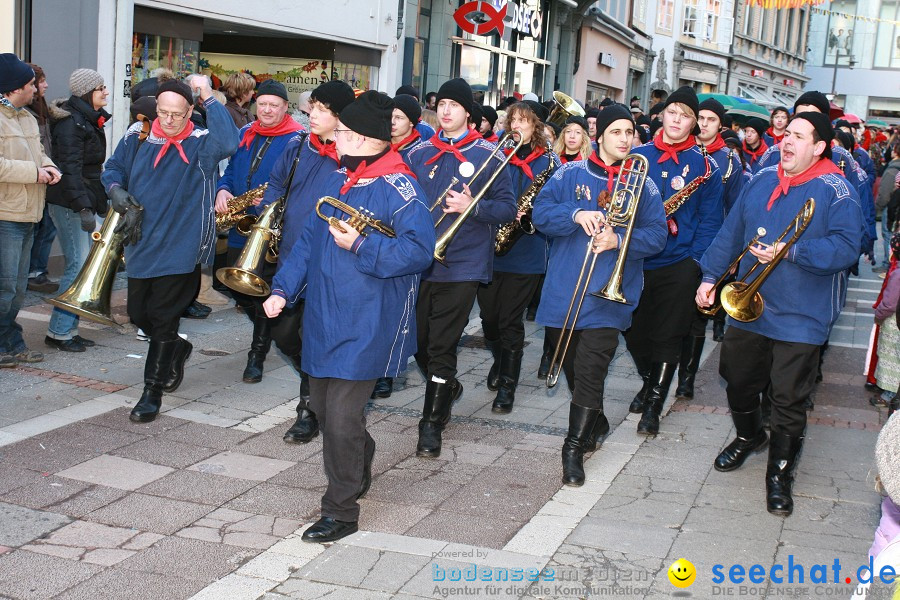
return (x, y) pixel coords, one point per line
(7, 26)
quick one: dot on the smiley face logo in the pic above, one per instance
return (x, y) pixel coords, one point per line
(682, 573)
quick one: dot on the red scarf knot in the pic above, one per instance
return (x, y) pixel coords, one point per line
(717, 144)
(612, 172)
(388, 164)
(324, 148)
(443, 146)
(785, 182)
(407, 140)
(775, 137)
(524, 163)
(670, 151)
(755, 155)
(287, 125)
(157, 130)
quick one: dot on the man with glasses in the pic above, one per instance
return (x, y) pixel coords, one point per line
(163, 189)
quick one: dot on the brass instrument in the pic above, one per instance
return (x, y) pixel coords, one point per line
(684, 194)
(621, 213)
(508, 234)
(727, 174)
(741, 300)
(359, 219)
(440, 248)
(565, 108)
(90, 294)
(236, 215)
(246, 274)
(440, 199)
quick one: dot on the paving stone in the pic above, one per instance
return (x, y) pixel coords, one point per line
(707, 549)
(88, 499)
(235, 587)
(18, 570)
(42, 491)
(833, 518)
(465, 528)
(207, 562)
(116, 472)
(127, 584)
(202, 488)
(394, 543)
(271, 445)
(389, 518)
(118, 421)
(280, 501)
(299, 588)
(207, 436)
(19, 525)
(608, 534)
(13, 477)
(149, 513)
(303, 475)
(503, 494)
(241, 466)
(240, 529)
(88, 436)
(44, 457)
(165, 452)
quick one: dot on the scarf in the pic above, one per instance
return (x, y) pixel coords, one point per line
(755, 155)
(451, 147)
(324, 148)
(523, 163)
(407, 140)
(717, 144)
(672, 150)
(287, 125)
(157, 130)
(785, 182)
(4, 101)
(388, 163)
(493, 138)
(612, 172)
(564, 158)
(776, 138)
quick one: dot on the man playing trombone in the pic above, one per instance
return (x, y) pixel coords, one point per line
(571, 209)
(777, 338)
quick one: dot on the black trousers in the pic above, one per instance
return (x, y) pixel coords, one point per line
(155, 304)
(750, 361)
(442, 313)
(588, 356)
(286, 328)
(340, 405)
(664, 313)
(503, 302)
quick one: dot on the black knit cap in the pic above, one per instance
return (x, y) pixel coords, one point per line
(537, 108)
(410, 107)
(370, 115)
(578, 121)
(845, 139)
(759, 125)
(179, 87)
(610, 114)
(606, 102)
(591, 113)
(842, 123)
(822, 126)
(407, 90)
(727, 121)
(475, 115)
(270, 87)
(335, 95)
(712, 105)
(14, 73)
(816, 99)
(655, 109)
(457, 90)
(685, 95)
(729, 134)
(489, 113)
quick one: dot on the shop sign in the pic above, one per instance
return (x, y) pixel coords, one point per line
(789, 82)
(608, 60)
(756, 73)
(481, 17)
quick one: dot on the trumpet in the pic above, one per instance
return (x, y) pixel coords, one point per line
(236, 216)
(741, 300)
(359, 219)
(621, 213)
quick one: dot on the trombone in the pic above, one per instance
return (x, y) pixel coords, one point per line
(741, 300)
(621, 213)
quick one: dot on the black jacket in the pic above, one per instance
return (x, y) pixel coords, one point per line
(79, 150)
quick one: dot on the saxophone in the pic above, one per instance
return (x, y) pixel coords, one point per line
(684, 194)
(236, 216)
(509, 234)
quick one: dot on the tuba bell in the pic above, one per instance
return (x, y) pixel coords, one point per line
(565, 107)
(90, 294)
(246, 274)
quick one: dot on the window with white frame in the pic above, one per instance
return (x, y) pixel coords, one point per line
(666, 15)
(700, 19)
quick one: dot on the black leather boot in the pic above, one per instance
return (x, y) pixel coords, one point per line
(581, 424)
(660, 379)
(719, 328)
(601, 429)
(304, 378)
(306, 427)
(784, 451)
(439, 397)
(510, 368)
(751, 437)
(259, 347)
(691, 349)
(155, 369)
(546, 355)
(384, 387)
(493, 378)
(178, 351)
(643, 369)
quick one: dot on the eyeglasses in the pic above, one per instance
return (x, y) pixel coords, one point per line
(162, 114)
(102, 88)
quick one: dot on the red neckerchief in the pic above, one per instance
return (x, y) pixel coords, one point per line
(443, 146)
(717, 144)
(755, 155)
(672, 150)
(612, 172)
(564, 160)
(388, 164)
(524, 163)
(494, 138)
(324, 148)
(776, 138)
(157, 130)
(822, 167)
(287, 125)
(407, 140)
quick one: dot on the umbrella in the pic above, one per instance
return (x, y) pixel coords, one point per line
(876, 123)
(835, 111)
(852, 119)
(737, 106)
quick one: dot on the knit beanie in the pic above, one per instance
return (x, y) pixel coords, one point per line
(610, 114)
(490, 114)
(13, 73)
(887, 449)
(591, 113)
(578, 121)
(816, 99)
(845, 139)
(410, 107)
(538, 109)
(335, 95)
(758, 125)
(822, 126)
(370, 115)
(179, 87)
(270, 87)
(457, 90)
(606, 102)
(685, 95)
(712, 105)
(475, 115)
(84, 81)
(407, 90)
(727, 121)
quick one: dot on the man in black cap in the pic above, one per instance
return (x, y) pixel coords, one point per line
(404, 135)
(754, 144)
(358, 321)
(488, 120)
(591, 116)
(781, 347)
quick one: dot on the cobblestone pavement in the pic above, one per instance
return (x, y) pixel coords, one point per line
(208, 502)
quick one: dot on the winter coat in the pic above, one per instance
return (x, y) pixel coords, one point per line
(241, 115)
(886, 185)
(21, 196)
(79, 149)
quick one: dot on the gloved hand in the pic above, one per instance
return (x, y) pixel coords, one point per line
(121, 200)
(130, 225)
(88, 222)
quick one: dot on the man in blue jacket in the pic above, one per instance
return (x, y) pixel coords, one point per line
(359, 319)
(163, 187)
(802, 296)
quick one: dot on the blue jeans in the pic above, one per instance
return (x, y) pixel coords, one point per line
(44, 234)
(885, 238)
(15, 255)
(75, 244)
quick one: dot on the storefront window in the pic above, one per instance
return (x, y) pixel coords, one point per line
(151, 52)
(840, 35)
(887, 39)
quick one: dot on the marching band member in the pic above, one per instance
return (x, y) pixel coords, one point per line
(316, 159)
(262, 143)
(664, 316)
(573, 142)
(781, 347)
(567, 211)
(517, 275)
(488, 120)
(448, 290)
(754, 144)
(164, 190)
(404, 135)
(778, 121)
(360, 293)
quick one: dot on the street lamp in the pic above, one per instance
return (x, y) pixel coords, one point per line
(851, 62)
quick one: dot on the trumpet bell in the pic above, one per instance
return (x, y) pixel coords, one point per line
(738, 306)
(244, 281)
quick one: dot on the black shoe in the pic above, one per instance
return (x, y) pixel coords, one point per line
(196, 311)
(259, 348)
(544, 368)
(327, 529)
(71, 345)
(155, 369)
(691, 350)
(305, 427)
(718, 330)
(783, 453)
(384, 387)
(493, 378)
(510, 367)
(643, 369)
(751, 437)
(871, 387)
(439, 398)
(84, 341)
(531, 313)
(42, 284)
(660, 379)
(253, 372)
(581, 425)
(178, 351)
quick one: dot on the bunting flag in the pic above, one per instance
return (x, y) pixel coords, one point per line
(852, 17)
(784, 3)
